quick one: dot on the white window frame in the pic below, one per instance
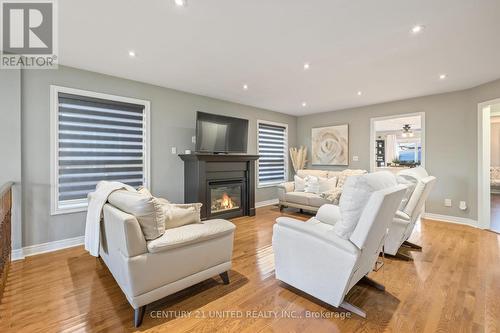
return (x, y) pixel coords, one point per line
(286, 153)
(55, 209)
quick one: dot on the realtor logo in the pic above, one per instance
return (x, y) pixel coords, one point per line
(28, 34)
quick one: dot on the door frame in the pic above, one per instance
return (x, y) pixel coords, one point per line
(484, 161)
(372, 135)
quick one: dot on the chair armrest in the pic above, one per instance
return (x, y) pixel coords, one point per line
(312, 229)
(284, 188)
(287, 186)
(122, 232)
(329, 214)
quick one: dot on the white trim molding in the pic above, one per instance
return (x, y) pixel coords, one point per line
(451, 219)
(373, 134)
(19, 254)
(484, 160)
(266, 203)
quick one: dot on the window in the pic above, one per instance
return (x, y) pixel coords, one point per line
(95, 137)
(273, 151)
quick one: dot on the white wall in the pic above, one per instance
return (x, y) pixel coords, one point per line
(10, 144)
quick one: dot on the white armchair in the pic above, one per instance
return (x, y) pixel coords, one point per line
(314, 258)
(406, 217)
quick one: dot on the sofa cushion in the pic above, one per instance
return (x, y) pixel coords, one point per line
(301, 198)
(317, 201)
(147, 210)
(312, 184)
(309, 172)
(190, 234)
(327, 184)
(177, 215)
(299, 183)
(332, 174)
(356, 193)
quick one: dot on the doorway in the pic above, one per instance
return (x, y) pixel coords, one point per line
(489, 165)
(397, 142)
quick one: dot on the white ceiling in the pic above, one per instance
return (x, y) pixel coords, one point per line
(213, 47)
(396, 124)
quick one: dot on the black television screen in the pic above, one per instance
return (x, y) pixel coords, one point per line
(220, 134)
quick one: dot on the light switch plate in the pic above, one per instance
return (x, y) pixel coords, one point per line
(174, 150)
(447, 202)
(193, 139)
(355, 158)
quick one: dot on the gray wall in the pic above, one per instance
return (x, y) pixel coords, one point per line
(10, 143)
(451, 140)
(172, 124)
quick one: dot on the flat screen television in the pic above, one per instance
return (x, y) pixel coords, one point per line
(220, 134)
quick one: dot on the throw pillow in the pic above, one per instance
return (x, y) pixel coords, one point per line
(143, 190)
(177, 215)
(312, 184)
(355, 195)
(333, 195)
(147, 210)
(346, 173)
(327, 184)
(299, 183)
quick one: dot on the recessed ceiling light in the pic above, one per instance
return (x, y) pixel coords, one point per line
(181, 3)
(245, 87)
(417, 29)
(304, 104)
(131, 54)
(360, 93)
(442, 76)
(306, 66)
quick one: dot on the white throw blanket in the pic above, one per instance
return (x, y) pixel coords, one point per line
(97, 200)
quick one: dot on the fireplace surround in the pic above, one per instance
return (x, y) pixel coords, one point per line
(224, 184)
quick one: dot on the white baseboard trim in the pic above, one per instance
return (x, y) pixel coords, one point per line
(451, 219)
(266, 203)
(31, 250)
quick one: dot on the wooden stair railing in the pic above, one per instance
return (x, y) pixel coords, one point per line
(5, 229)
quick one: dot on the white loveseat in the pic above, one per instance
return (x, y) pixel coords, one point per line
(290, 197)
(324, 260)
(148, 270)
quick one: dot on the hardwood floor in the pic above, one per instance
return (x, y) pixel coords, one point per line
(453, 285)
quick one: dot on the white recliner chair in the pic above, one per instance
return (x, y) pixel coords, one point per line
(327, 255)
(409, 212)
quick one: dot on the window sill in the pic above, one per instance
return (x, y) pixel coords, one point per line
(69, 209)
(270, 184)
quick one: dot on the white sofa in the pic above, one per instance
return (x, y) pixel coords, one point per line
(150, 270)
(289, 197)
(409, 212)
(312, 257)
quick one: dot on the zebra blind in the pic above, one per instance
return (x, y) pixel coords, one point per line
(97, 139)
(273, 153)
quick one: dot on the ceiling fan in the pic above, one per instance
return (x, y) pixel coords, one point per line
(407, 132)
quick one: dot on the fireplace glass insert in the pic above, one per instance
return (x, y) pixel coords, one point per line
(224, 198)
